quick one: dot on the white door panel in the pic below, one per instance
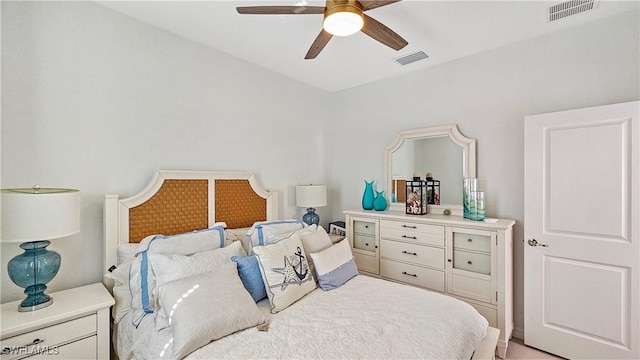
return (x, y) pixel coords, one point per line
(582, 280)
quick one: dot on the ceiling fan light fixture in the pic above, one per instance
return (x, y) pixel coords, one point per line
(343, 20)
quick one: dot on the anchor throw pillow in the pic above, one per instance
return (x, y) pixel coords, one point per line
(285, 271)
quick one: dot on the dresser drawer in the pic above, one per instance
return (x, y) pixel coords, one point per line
(364, 227)
(408, 226)
(412, 274)
(471, 286)
(48, 337)
(475, 262)
(416, 254)
(364, 242)
(472, 242)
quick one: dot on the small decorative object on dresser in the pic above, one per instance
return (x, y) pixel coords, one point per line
(77, 327)
(470, 184)
(416, 197)
(310, 197)
(367, 196)
(433, 190)
(379, 203)
(33, 217)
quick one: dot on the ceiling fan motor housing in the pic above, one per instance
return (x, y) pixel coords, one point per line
(343, 17)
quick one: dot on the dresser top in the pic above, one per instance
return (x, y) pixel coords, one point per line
(66, 304)
(439, 219)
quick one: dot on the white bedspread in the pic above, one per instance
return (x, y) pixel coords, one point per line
(366, 318)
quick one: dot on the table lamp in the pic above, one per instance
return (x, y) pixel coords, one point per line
(310, 197)
(33, 217)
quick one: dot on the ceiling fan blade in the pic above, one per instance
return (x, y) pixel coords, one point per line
(383, 34)
(280, 10)
(318, 44)
(372, 4)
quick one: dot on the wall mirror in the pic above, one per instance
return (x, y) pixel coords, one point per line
(441, 150)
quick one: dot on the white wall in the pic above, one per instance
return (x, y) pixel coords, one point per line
(96, 101)
(488, 95)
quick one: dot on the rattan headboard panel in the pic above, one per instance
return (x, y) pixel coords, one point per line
(179, 206)
(237, 204)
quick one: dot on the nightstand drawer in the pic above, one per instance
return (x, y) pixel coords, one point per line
(416, 254)
(416, 275)
(472, 242)
(364, 227)
(48, 337)
(78, 350)
(475, 262)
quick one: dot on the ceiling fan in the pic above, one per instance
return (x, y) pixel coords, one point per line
(341, 18)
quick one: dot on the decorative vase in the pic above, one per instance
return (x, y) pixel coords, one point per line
(367, 197)
(379, 202)
(469, 185)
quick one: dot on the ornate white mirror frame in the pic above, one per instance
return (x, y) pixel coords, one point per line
(468, 161)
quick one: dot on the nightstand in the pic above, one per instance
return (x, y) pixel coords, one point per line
(336, 238)
(75, 326)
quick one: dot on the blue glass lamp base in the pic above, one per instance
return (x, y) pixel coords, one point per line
(32, 270)
(311, 217)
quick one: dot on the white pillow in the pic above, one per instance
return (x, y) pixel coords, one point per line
(121, 292)
(314, 239)
(335, 265)
(270, 232)
(285, 272)
(207, 307)
(241, 235)
(141, 279)
(169, 267)
(127, 252)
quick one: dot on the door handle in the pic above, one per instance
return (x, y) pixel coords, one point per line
(534, 242)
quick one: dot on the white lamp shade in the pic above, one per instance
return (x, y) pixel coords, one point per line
(310, 196)
(42, 214)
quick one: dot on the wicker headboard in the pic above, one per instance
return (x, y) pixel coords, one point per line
(180, 201)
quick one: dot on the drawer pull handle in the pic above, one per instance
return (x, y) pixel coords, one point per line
(409, 237)
(469, 262)
(366, 244)
(469, 240)
(410, 226)
(409, 253)
(406, 273)
(7, 350)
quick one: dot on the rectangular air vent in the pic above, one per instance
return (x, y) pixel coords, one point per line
(408, 59)
(569, 8)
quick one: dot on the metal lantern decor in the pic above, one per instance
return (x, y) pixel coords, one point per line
(433, 191)
(416, 197)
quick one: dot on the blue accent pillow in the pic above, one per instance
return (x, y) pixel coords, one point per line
(249, 271)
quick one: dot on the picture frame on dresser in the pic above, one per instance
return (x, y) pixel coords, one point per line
(337, 230)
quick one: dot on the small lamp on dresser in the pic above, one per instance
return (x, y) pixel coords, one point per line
(310, 197)
(33, 217)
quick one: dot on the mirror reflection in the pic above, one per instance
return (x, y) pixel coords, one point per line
(436, 155)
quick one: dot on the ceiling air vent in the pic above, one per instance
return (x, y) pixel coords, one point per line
(408, 59)
(569, 8)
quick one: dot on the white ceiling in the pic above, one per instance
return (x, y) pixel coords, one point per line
(444, 30)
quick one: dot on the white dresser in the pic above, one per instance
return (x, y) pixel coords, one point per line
(470, 260)
(75, 326)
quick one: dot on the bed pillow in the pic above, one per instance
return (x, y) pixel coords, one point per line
(285, 272)
(335, 265)
(207, 307)
(249, 272)
(270, 232)
(314, 239)
(126, 252)
(121, 292)
(141, 279)
(170, 267)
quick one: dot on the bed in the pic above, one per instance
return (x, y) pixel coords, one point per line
(157, 243)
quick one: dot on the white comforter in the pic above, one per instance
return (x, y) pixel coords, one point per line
(366, 318)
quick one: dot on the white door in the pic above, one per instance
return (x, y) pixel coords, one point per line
(581, 228)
